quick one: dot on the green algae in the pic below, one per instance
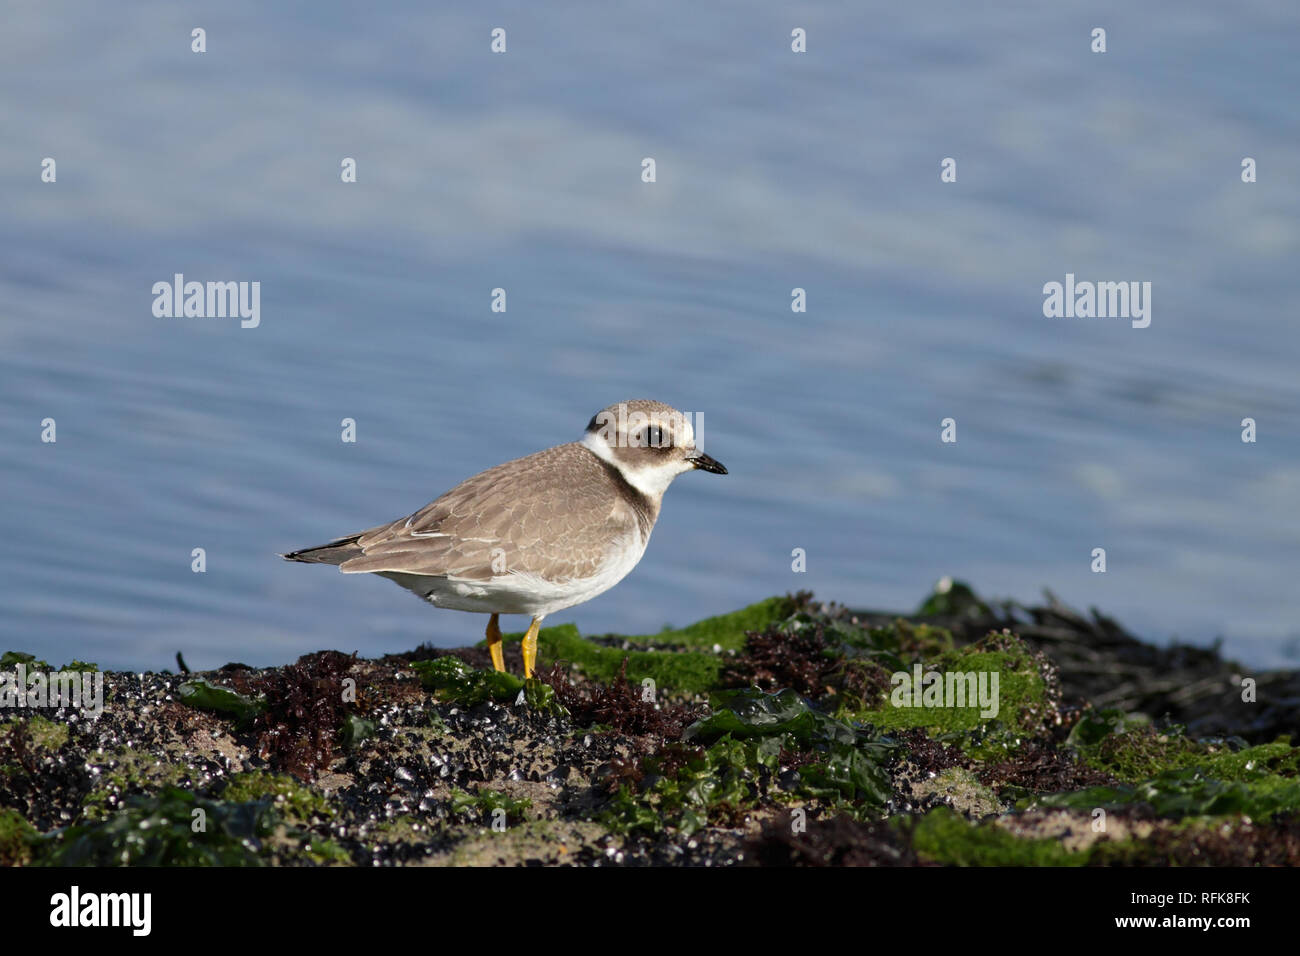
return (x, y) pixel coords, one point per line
(541, 697)
(454, 681)
(1278, 758)
(304, 847)
(43, 734)
(1132, 751)
(17, 839)
(171, 828)
(751, 713)
(1094, 726)
(296, 803)
(907, 640)
(1184, 792)
(953, 599)
(205, 695)
(992, 742)
(11, 659)
(689, 662)
(942, 836)
(403, 828)
(881, 656)
(176, 827)
(688, 671)
(356, 729)
(1135, 756)
(849, 779)
(687, 787)
(125, 773)
(725, 631)
(485, 805)
(736, 759)
(847, 762)
(1021, 697)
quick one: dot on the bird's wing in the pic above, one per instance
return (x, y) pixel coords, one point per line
(551, 513)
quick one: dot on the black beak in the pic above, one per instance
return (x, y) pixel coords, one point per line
(705, 463)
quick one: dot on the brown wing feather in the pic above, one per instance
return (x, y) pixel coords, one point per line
(551, 513)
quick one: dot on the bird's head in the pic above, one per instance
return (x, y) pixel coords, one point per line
(650, 443)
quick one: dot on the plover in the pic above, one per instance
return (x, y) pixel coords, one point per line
(537, 534)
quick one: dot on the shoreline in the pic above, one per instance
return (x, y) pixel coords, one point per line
(771, 735)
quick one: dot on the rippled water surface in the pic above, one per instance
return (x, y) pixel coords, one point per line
(775, 171)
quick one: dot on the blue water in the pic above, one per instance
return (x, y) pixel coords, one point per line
(522, 170)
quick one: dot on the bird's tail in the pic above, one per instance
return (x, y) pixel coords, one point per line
(336, 552)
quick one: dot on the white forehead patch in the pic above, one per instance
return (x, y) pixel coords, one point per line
(684, 432)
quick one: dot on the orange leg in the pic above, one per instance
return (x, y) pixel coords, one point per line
(530, 647)
(494, 644)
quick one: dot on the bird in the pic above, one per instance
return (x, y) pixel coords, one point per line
(537, 534)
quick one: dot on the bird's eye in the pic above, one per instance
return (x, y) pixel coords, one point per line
(655, 437)
(652, 436)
